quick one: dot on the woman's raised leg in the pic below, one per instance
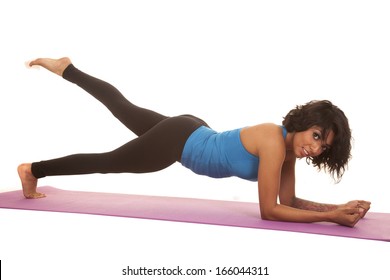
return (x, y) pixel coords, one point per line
(137, 119)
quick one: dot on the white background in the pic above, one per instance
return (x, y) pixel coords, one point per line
(232, 63)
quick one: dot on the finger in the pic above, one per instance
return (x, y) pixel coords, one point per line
(352, 210)
(353, 203)
(363, 211)
(364, 203)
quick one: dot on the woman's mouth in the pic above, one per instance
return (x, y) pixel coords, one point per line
(305, 153)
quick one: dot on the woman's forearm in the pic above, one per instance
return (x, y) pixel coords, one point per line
(290, 214)
(346, 216)
(313, 206)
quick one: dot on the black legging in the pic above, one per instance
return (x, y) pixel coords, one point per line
(159, 144)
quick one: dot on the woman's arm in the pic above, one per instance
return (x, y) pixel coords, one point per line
(287, 191)
(287, 194)
(313, 206)
(270, 182)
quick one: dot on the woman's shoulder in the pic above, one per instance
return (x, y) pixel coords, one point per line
(266, 137)
(264, 130)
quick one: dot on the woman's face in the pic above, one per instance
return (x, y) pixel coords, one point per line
(311, 142)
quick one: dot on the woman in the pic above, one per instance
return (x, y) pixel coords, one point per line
(317, 131)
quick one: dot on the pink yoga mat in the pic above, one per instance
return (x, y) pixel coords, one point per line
(375, 226)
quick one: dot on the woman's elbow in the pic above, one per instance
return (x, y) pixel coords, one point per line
(267, 214)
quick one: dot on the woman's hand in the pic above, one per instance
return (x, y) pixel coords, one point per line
(346, 216)
(361, 204)
(350, 213)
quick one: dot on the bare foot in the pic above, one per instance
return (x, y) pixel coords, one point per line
(29, 182)
(57, 66)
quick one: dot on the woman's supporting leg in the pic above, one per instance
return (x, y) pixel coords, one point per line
(156, 149)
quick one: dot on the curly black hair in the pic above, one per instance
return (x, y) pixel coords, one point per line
(329, 117)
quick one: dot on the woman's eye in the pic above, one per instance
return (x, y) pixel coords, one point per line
(316, 136)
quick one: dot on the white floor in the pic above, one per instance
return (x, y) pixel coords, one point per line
(233, 63)
(42, 245)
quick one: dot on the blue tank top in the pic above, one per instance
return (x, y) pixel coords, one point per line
(220, 155)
